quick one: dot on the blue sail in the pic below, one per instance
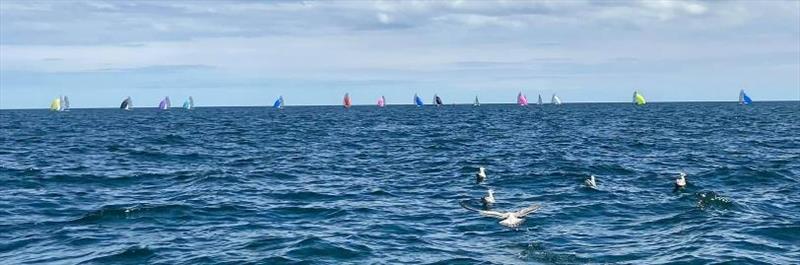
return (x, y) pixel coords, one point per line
(278, 103)
(744, 99)
(417, 100)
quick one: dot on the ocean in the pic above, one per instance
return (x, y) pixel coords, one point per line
(325, 185)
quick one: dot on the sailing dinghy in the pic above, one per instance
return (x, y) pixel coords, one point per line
(188, 104)
(347, 103)
(476, 103)
(540, 100)
(555, 100)
(381, 102)
(64, 103)
(164, 104)
(127, 104)
(522, 100)
(638, 99)
(55, 105)
(744, 99)
(278, 103)
(437, 100)
(418, 101)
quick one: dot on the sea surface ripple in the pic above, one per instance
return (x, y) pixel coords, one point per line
(311, 185)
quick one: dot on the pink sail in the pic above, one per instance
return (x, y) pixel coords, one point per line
(381, 102)
(346, 102)
(522, 100)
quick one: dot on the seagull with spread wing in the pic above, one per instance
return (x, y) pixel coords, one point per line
(508, 219)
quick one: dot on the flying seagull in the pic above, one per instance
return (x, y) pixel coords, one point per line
(508, 219)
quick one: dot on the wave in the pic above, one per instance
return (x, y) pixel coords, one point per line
(322, 185)
(20, 171)
(131, 255)
(537, 252)
(317, 249)
(111, 213)
(712, 201)
(458, 261)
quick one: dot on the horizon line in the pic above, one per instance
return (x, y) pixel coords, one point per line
(411, 104)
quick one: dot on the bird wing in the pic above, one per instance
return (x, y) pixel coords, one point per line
(484, 213)
(493, 214)
(526, 211)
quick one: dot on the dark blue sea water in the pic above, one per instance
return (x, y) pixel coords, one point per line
(313, 185)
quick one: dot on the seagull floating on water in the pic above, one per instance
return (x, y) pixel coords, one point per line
(591, 183)
(508, 219)
(489, 198)
(481, 176)
(681, 181)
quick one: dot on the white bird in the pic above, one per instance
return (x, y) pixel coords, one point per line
(680, 182)
(508, 219)
(591, 183)
(481, 176)
(489, 198)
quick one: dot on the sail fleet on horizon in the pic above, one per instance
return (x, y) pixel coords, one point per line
(61, 103)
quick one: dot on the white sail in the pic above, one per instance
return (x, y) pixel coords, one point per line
(556, 100)
(64, 103)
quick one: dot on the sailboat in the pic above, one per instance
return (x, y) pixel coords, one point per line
(127, 104)
(55, 105)
(477, 103)
(540, 100)
(381, 102)
(522, 100)
(638, 99)
(346, 102)
(188, 104)
(164, 104)
(417, 101)
(64, 103)
(555, 100)
(278, 103)
(437, 100)
(744, 99)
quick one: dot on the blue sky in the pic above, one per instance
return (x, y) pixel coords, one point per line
(247, 53)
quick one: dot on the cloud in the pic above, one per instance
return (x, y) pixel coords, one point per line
(384, 18)
(156, 69)
(114, 22)
(391, 44)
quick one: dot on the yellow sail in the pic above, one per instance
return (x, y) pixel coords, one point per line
(55, 105)
(639, 99)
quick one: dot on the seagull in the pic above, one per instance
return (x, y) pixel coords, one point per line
(591, 183)
(680, 182)
(508, 219)
(489, 198)
(481, 176)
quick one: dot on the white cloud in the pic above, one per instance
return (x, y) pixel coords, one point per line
(384, 18)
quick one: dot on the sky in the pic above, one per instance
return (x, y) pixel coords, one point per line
(247, 53)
